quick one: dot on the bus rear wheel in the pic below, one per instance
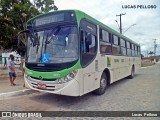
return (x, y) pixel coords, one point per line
(132, 73)
(103, 85)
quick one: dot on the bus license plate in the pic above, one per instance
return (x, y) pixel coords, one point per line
(41, 85)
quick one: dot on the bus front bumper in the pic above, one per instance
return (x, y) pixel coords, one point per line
(70, 88)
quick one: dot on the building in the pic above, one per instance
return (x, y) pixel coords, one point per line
(5, 56)
(154, 58)
(151, 59)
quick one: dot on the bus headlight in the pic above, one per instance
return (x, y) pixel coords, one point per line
(26, 75)
(71, 75)
(67, 78)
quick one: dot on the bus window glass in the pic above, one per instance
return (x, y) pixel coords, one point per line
(116, 49)
(115, 46)
(133, 54)
(53, 42)
(105, 36)
(139, 53)
(115, 39)
(122, 42)
(132, 46)
(135, 47)
(89, 27)
(105, 45)
(136, 53)
(92, 46)
(128, 44)
(123, 51)
(88, 47)
(129, 52)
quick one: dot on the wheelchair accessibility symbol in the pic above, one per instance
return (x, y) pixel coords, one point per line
(45, 57)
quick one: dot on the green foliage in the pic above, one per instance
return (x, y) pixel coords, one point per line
(13, 16)
(142, 56)
(45, 5)
(151, 53)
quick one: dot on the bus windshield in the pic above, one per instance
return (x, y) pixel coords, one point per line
(55, 45)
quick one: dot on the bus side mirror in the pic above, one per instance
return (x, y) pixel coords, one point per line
(21, 44)
(22, 38)
(89, 39)
(21, 41)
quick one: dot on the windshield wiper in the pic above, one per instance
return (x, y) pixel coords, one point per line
(34, 39)
(53, 36)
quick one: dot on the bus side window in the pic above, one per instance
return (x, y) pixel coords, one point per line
(105, 42)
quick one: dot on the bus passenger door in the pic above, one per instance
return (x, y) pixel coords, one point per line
(88, 53)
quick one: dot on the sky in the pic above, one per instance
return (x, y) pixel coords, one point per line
(147, 20)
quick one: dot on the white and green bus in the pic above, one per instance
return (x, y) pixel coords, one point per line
(70, 53)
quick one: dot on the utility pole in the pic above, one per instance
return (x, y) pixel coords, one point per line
(155, 46)
(120, 21)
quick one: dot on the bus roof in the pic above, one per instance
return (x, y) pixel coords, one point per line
(80, 15)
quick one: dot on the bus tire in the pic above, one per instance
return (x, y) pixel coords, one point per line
(103, 85)
(131, 76)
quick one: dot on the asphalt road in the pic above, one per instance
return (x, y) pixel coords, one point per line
(139, 94)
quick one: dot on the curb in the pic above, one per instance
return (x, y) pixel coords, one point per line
(15, 93)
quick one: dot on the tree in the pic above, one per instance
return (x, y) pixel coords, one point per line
(13, 16)
(151, 53)
(12, 20)
(142, 56)
(45, 5)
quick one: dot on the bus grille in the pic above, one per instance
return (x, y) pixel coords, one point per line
(44, 79)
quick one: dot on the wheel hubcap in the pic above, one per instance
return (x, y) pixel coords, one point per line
(103, 83)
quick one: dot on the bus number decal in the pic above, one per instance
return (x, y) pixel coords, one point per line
(116, 60)
(96, 65)
(122, 60)
(56, 75)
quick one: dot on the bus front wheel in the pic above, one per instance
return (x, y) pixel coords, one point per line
(103, 85)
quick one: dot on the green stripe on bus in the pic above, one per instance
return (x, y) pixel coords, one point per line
(108, 61)
(54, 74)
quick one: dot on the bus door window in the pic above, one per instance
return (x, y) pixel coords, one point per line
(88, 47)
(87, 43)
(82, 42)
